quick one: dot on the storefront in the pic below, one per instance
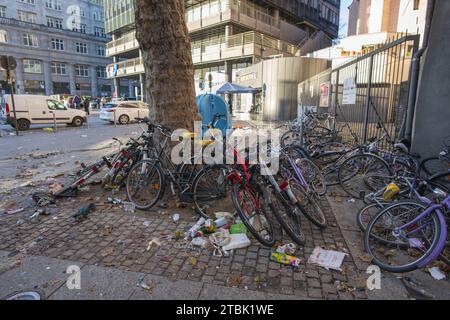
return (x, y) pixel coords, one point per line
(34, 87)
(61, 87)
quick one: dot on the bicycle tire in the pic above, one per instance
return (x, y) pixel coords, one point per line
(368, 237)
(160, 183)
(249, 224)
(285, 137)
(309, 206)
(283, 211)
(203, 203)
(363, 212)
(383, 179)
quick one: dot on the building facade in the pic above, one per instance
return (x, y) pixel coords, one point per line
(60, 46)
(227, 36)
(375, 16)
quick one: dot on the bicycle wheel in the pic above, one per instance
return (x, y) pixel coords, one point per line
(145, 184)
(212, 192)
(249, 202)
(309, 205)
(311, 173)
(288, 216)
(362, 174)
(366, 214)
(441, 181)
(289, 138)
(402, 250)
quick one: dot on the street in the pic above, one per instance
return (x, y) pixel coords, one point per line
(43, 154)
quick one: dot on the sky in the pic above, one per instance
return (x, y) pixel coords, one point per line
(344, 18)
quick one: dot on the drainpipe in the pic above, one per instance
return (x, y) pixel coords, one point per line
(415, 73)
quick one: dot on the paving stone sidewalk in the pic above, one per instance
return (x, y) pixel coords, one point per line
(112, 238)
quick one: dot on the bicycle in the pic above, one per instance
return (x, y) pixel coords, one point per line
(414, 233)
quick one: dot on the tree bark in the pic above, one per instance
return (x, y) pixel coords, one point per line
(164, 40)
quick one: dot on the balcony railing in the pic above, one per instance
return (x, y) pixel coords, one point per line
(249, 44)
(125, 68)
(125, 43)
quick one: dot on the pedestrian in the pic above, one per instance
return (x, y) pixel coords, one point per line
(97, 102)
(86, 105)
(103, 102)
(70, 103)
(77, 101)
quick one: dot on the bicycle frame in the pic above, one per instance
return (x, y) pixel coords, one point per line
(445, 204)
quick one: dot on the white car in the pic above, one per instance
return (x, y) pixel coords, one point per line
(37, 109)
(124, 112)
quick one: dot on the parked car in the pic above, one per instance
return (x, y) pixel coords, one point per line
(36, 109)
(125, 111)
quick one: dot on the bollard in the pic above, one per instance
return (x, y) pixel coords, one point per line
(54, 122)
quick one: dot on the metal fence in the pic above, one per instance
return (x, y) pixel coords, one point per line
(370, 93)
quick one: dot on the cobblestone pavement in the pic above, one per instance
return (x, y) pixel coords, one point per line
(111, 237)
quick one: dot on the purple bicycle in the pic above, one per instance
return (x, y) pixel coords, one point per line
(413, 233)
(307, 184)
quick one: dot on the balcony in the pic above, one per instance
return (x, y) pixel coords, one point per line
(124, 44)
(125, 68)
(244, 45)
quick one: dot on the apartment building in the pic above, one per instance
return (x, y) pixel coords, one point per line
(376, 16)
(226, 35)
(60, 46)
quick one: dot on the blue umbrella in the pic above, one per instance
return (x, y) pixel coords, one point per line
(229, 88)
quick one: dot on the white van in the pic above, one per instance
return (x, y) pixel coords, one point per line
(34, 109)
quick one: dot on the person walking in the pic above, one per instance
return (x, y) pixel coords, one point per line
(77, 101)
(86, 105)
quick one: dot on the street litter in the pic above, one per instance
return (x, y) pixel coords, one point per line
(114, 201)
(199, 242)
(436, 273)
(237, 241)
(285, 259)
(154, 242)
(238, 228)
(147, 224)
(84, 212)
(328, 259)
(351, 200)
(48, 130)
(10, 212)
(129, 207)
(288, 249)
(195, 228)
(415, 291)
(176, 218)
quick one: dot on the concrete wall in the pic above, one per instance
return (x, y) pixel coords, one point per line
(281, 77)
(432, 117)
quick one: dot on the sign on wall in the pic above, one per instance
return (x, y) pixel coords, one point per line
(324, 95)
(349, 93)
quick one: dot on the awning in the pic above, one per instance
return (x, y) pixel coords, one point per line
(229, 88)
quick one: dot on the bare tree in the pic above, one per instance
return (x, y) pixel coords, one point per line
(166, 50)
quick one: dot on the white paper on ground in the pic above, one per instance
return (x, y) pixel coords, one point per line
(327, 258)
(436, 273)
(237, 241)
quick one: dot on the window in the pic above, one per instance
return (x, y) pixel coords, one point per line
(55, 105)
(416, 4)
(54, 23)
(58, 68)
(53, 4)
(3, 36)
(98, 16)
(81, 47)
(101, 51)
(30, 40)
(79, 27)
(57, 44)
(2, 12)
(81, 70)
(26, 16)
(99, 32)
(27, 1)
(32, 66)
(101, 72)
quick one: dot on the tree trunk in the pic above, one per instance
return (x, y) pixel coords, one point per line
(166, 50)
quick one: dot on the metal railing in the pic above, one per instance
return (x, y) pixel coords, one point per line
(371, 92)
